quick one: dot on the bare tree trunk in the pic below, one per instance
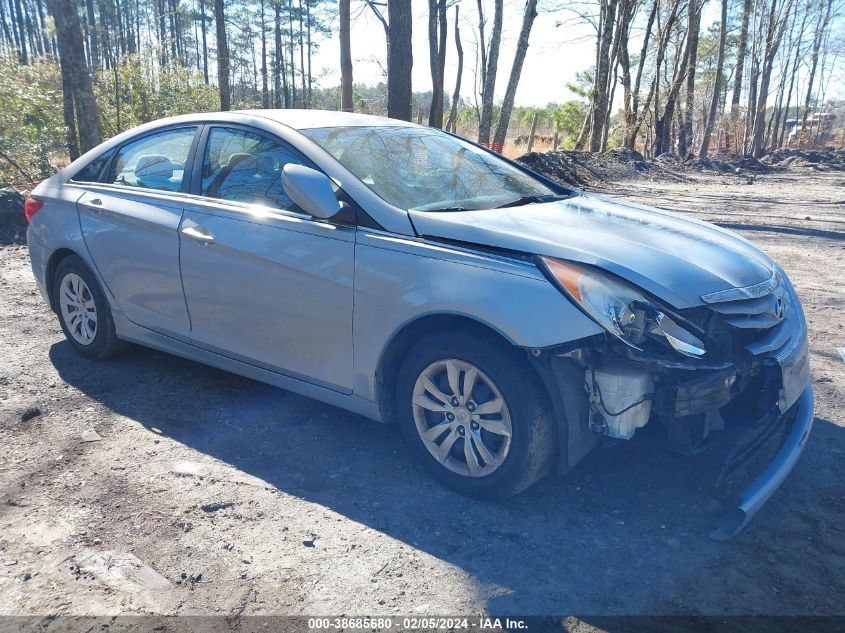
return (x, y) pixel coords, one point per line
(22, 54)
(741, 50)
(68, 112)
(265, 90)
(606, 125)
(116, 68)
(489, 86)
(630, 100)
(302, 56)
(717, 84)
(774, 121)
(204, 43)
(280, 84)
(662, 43)
(121, 32)
(93, 39)
(452, 123)
(663, 123)
(601, 98)
(74, 70)
(7, 39)
(161, 22)
(180, 33)
(437, 59)
(774, 35)
(255, 91)
(30, 31)
(345, 58)
(796, 63)
(823, 85)
(130, 28)
(678, 132)
(14, 42)
(516, 71)
(581, 141)
(291, 56)
(106, 45)
(36, 44)
(748, 128)
(171, 20)
(400, 59)
(138, 23)
(222, 57)
(39, 34)
(482, 49)
(694, 21)
(821, 25)
(308, 44)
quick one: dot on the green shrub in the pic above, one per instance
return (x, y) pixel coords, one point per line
(32, 131)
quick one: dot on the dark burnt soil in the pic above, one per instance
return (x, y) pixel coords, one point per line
(584, 169)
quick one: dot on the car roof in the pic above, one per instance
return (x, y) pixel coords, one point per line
(294, 119)
(305, 119)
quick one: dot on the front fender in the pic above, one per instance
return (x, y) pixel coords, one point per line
(399, 280)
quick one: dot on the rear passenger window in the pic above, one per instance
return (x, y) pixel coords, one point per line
(93, 170)
(156, 161)
(246, 167)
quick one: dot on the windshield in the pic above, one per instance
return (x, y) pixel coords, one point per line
(423, 169)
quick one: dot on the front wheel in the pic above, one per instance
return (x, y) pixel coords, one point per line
(475, 414)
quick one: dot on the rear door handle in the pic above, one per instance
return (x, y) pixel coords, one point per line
(198, 233)
(95, 204)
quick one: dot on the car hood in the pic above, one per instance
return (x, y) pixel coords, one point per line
(675, 258)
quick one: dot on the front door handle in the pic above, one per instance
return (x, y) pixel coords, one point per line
(198, 233)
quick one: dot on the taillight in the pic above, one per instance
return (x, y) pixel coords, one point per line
(31, 207)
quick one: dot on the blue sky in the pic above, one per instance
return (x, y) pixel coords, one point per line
(559, 47)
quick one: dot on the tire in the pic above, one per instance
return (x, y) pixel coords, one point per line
(87, 323)
(501, 373)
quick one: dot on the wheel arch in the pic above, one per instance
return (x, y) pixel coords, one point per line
(53, 262)
(403, 339)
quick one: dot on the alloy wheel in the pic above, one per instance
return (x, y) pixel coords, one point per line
(462, 418)
(78, 309)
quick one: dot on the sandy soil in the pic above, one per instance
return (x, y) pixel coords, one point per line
(203, 492)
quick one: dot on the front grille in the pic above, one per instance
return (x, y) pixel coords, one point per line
(755, 325)
(753, 322)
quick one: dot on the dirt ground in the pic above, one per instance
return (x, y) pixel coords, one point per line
(151, 484)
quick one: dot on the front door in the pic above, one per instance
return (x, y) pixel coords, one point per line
(265, 283)
(130, 226)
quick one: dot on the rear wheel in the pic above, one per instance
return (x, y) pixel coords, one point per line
(475, 414)
(84, 312)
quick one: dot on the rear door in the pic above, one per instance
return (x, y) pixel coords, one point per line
(130, 226)
(264, 282)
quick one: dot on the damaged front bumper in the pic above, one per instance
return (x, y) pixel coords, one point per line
(764, 486)
(747, 417)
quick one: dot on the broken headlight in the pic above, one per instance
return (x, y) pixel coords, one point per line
(621, 309)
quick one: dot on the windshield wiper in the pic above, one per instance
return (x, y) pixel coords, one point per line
(444, 209)
(532, 199)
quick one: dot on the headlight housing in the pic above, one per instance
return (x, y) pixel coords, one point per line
(621, 309)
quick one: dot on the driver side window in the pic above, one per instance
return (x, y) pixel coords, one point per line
(242, 166)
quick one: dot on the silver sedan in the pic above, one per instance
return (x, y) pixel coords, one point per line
(507, 323)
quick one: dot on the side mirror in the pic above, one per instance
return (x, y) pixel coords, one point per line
(311, 190)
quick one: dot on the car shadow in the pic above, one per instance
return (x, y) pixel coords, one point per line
(625, 532)
(787, 230)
